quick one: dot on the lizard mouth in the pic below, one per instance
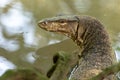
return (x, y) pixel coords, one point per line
(43, 25)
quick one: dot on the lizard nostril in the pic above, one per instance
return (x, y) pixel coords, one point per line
(44, 23)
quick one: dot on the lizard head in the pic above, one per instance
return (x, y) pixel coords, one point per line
(66, 25)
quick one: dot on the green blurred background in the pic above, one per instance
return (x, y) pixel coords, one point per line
(24, 44)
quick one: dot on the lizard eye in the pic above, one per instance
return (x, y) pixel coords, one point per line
(62, 21)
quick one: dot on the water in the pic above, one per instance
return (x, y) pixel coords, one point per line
(21, 38)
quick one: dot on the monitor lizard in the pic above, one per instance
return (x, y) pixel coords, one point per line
(92, 38)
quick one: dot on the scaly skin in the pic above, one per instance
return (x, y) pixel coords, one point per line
(88, 33)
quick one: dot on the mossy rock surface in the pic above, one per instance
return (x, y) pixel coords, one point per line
(22, 74)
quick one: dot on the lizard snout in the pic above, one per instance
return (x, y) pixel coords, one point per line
(43, 23)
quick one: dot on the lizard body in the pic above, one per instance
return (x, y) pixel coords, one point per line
(90, 35)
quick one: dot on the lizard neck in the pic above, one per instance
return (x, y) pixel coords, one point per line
(96, 51)
(94, 40)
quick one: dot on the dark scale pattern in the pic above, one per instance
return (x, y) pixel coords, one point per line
(97, 52)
